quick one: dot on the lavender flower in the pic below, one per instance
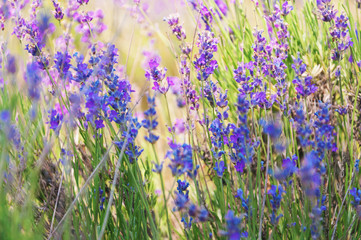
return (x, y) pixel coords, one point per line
(199, 213)
(324, 137)
(62, 63)
(326, 10)
(310, 176)
(204, 63)
(157, 74)
(158, 167)
(316, 216)
(182, 196)
(82, 72)
(182, 185)
(33, 79)
(11, 64)
(150, 121)
(245, 202)
(286, 8)
(132, 151)
(222, 7)
(55, 120)
(36, 32)
(234, 230)
(341, 36)
(187, 225)
(342, 110)
(10, 130)
(219, 168)
(356, 194)
(82, 2)
(90, 24)
(303, 128)
(219, 137)
(289, 167)
(240, 142)
(276, 194)
(181, 158)
(357, 165)
(271, 128)
(177, 29)
(58, 14)
(241, 77)
(101, 199)
(304, 86)
(154, 72)
(206, 15)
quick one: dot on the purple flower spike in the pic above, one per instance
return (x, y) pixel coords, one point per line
(177, 29)
(204, 63)
(58, 14)
(219, 168)
(234, 230)
(304, 86)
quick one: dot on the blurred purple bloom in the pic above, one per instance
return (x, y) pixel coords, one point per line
(222, 6)
(81, 2)
(276, 197)
(157, 167)
(234, 230)
(245, 202)
(289, 167)
(55, 120)
(310, 176)
(181, 201)
(271, 128)
(11, 64)
(33, 79)
(326, 10)
(356, 194)
(219, 168)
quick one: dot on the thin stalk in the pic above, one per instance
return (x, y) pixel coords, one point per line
(163, 191)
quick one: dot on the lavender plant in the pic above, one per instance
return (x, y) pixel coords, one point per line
(226, 120)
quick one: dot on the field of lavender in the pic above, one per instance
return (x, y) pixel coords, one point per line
(180, 119)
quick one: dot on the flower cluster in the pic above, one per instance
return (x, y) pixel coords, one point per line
(58, 14)
(181, 157)
(326, 10)
(304, 86)
(55, 120)
(183, 203)
(90, 24)
(275, 201)
(150, 121)
(234, 230)
(340, 36)
(132, 151)
(289, 167)
(356, 194)
(240, 142)
(101, 199)
(316, 216)
(245, 202)
(177, 29)
(204, 63)
(157, 74)
(324, 130)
